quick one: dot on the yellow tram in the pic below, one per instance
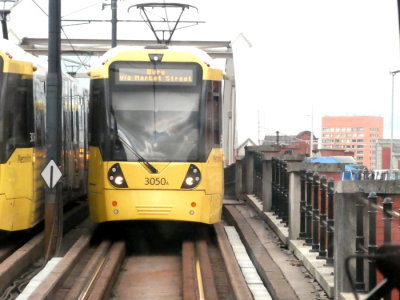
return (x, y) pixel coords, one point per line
(22, 137)
(155, 136)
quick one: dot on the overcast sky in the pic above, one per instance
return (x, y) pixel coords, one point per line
(329, 57)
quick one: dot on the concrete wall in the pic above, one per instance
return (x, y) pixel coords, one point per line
(230, 181)
(249, 177)
(347, 194)
(267, 185)
(294, 205)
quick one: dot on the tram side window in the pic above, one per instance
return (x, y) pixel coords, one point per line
(39, 100)
(96, 113)
(213, 126)
(19, 112)
(217, 112)
(209, 118)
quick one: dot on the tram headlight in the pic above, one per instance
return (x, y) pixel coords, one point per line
(116, 177)
(119, 180)
(189, 181)
(192, 178)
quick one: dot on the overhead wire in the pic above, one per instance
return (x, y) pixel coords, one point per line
(191, 25)
(15, 4)
(73, 49)
(66, 36)
(154, 14)
(144, 19)
(166, 15)
(81, 9)
(147, 21)
(39, 7)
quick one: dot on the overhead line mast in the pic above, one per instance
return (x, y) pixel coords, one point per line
(114, 23)
(53, 199)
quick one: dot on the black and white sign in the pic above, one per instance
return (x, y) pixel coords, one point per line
(51, 174)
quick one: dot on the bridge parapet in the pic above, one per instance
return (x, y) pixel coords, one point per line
(366, 210)
(306, 198)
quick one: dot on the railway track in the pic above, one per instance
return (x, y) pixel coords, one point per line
(113, 264)
(21, 253)
(11, 242)
(198, 278)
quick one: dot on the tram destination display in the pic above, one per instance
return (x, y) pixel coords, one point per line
(143, 75)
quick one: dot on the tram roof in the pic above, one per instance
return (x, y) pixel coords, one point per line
(15, 51)
(200, 54)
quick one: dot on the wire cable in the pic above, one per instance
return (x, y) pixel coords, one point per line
(73, 49)
(40, 7)
(81, 9)
(66, 36)
(166, 15)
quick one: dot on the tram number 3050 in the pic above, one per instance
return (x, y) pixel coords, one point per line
(155, 181)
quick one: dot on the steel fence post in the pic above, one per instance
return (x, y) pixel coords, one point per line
(315, 214)
(308, 208)
(372, 239)
(322, 219)
(330, 223)
(360, 285)
(302, 234)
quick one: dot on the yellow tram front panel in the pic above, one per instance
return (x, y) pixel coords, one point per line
(18, 210)
(158, 205)
(156, 196)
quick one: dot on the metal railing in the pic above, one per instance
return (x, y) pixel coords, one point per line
(391, 281)
(371, 175)
(317, 214)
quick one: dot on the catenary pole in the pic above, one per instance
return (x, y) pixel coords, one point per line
(113, 23)
(53, 200)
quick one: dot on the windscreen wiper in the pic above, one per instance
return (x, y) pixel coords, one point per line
(152, 169)
(140, 158)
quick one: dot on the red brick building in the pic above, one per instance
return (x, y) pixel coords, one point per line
(295, 144)
(383, 156)
(357, 133)
(334, 152)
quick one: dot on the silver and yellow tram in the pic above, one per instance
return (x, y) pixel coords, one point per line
(22, 137)
(155, 136)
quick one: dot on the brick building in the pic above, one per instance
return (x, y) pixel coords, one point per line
(382, 148)
(295, 144)
(357, 133)
(333, 152)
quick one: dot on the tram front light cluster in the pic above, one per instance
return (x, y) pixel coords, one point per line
(189, 181)
(116, 177)
(192, 178)
(119, 180)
